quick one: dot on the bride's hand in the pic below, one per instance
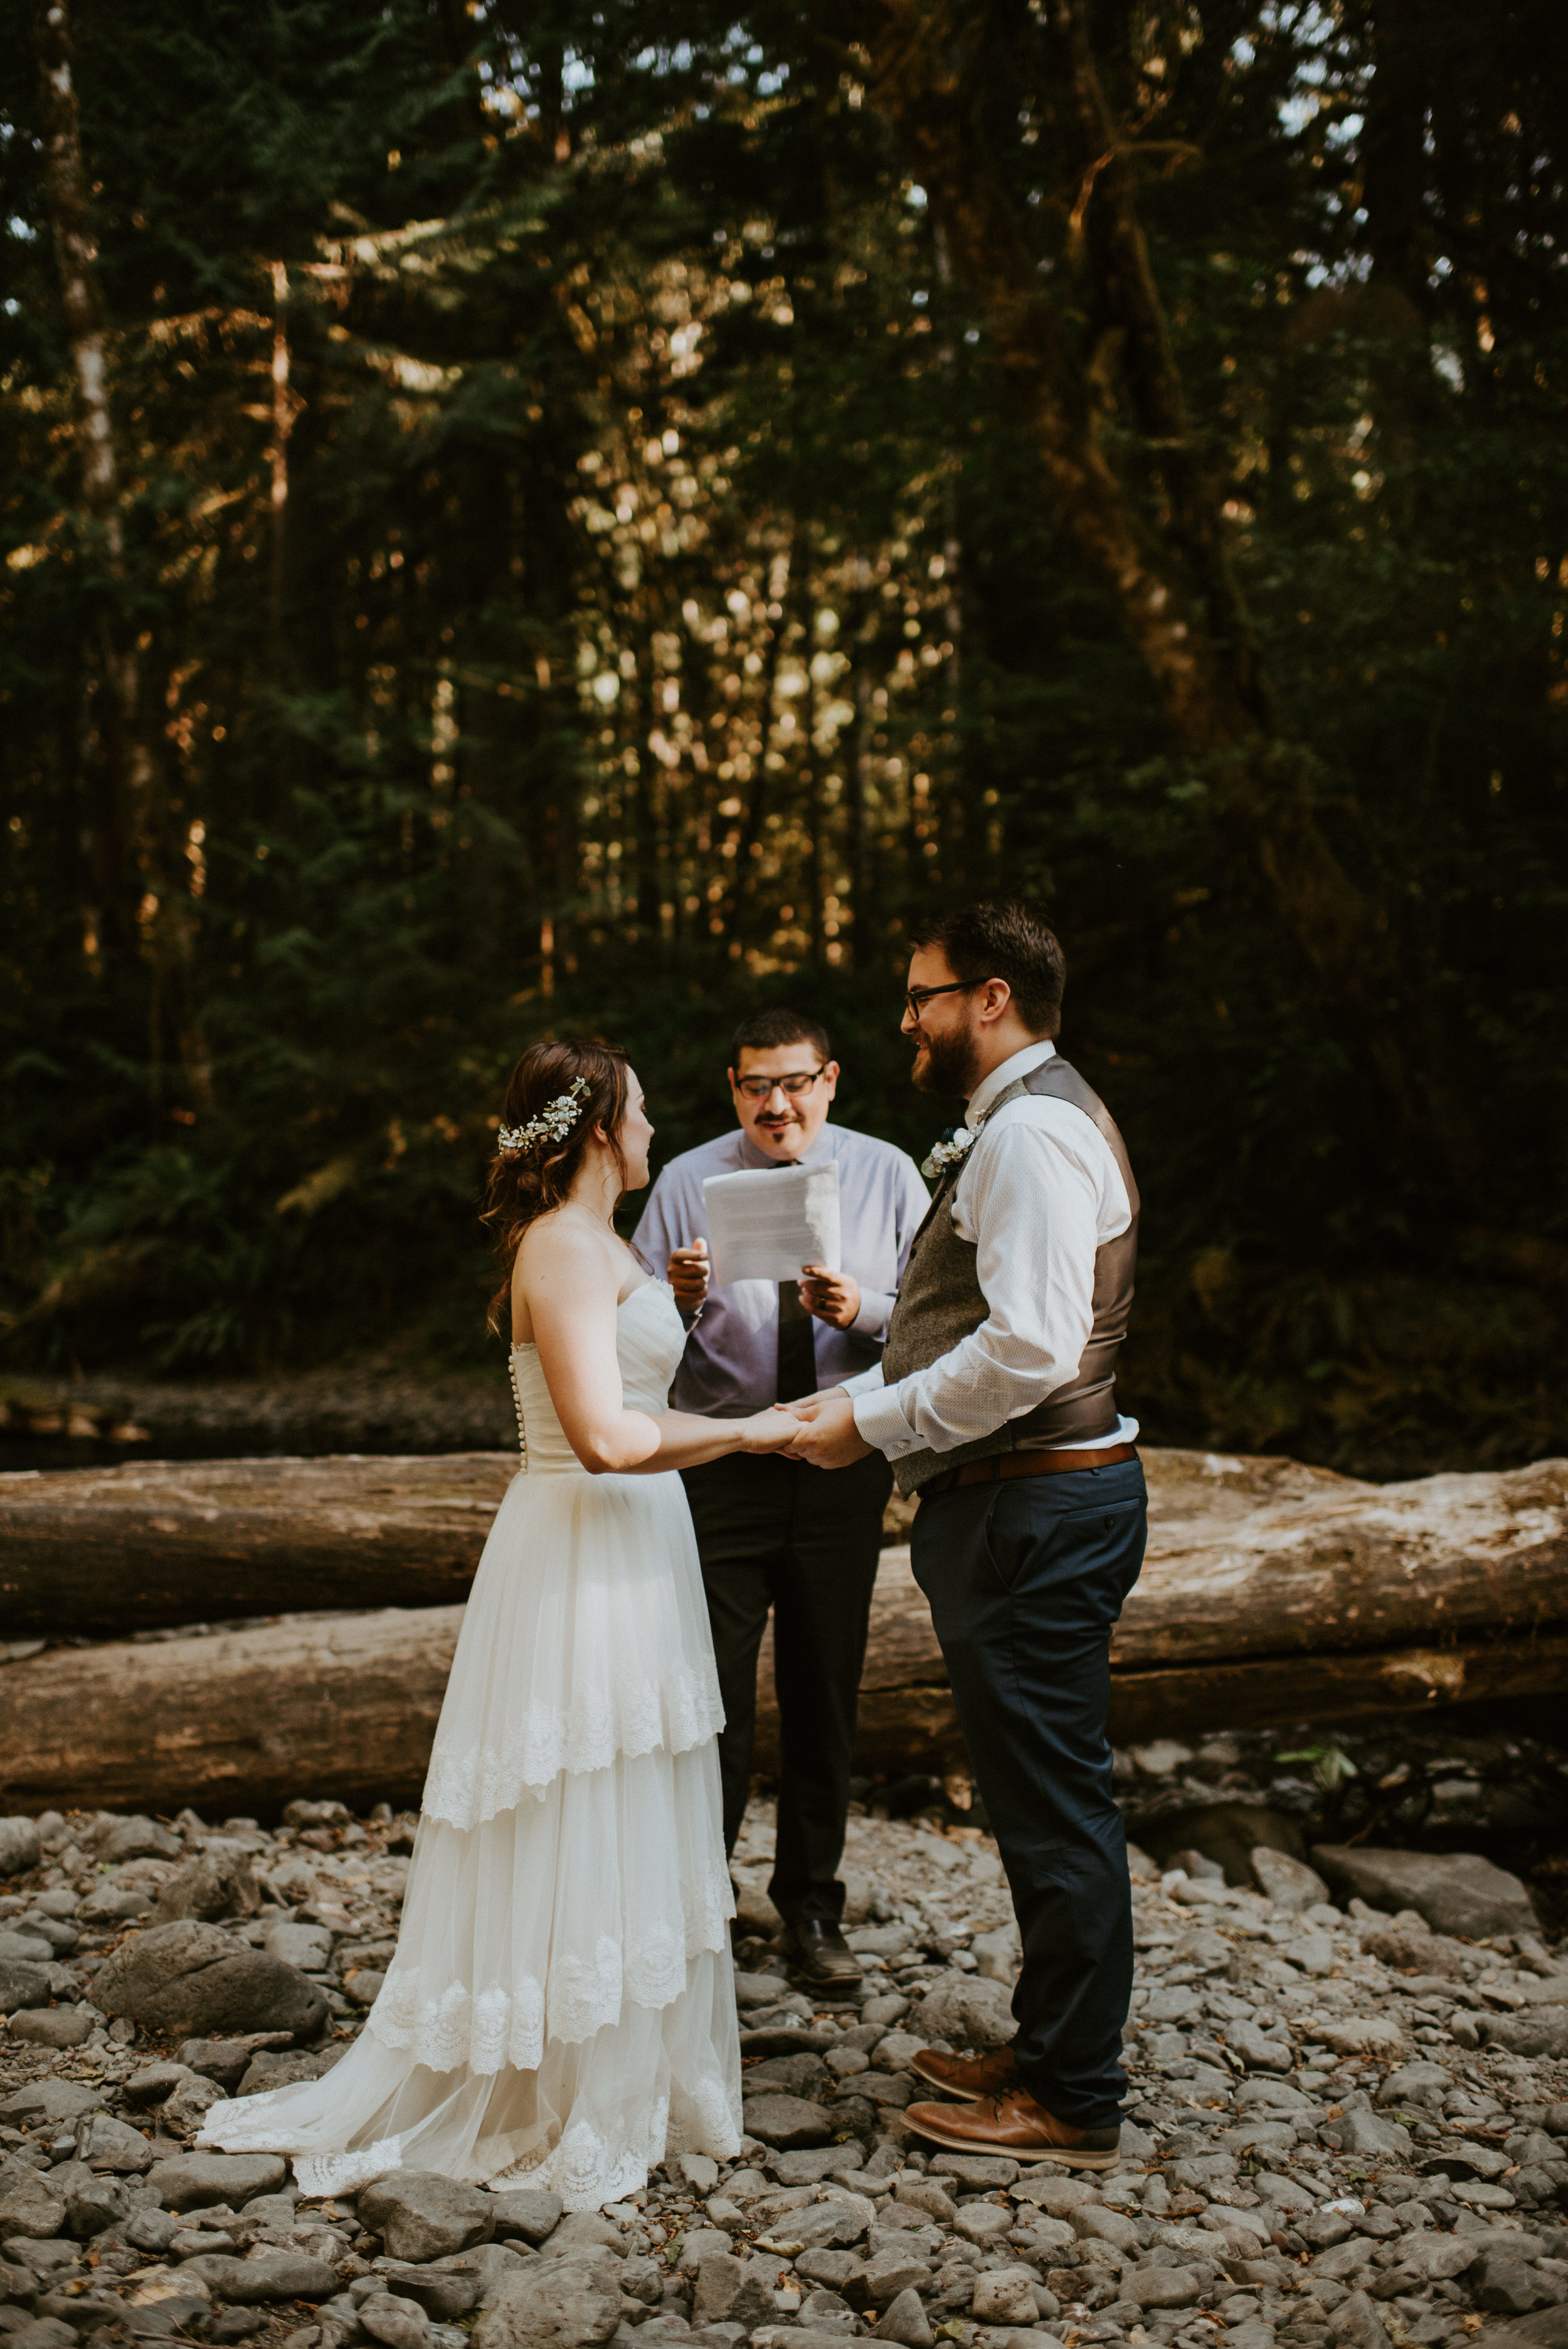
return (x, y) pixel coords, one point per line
(769, 1431)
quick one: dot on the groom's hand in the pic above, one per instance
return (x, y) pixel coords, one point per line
(832, 1297)
(829, 1437)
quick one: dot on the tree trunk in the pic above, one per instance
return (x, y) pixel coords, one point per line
(1272, 1593)
(136, 797)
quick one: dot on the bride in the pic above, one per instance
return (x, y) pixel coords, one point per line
(561, 2006)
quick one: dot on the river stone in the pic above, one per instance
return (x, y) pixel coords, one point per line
(729, 2291)
(557, 2305)
(420, 2215)
(1367, 2134)
(187, 2180)
(1456, 1892)
(1374, 2036)
(49, 2100)
(280, 2069)
(967, 2010)
(1160, 2287)
(1545, 2033)
(112, 1839)
(1004, 2296)
(785, 2121)
(28, 2206)
(53, 2026)
(525, 2213)
(268, 2274)
(19, 1846)
(190, 1979)
(1290, 1884)
(395, 2321)
(217, 1884)
(23, 1984)
(904, 2320)
(93, 2203)
(105, 2143)
(802, 2074)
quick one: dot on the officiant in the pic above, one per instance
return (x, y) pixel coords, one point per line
(773, 1535)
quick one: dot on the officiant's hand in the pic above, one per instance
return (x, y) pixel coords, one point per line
(688, 1276)
(832, 1297)
(827, 1435)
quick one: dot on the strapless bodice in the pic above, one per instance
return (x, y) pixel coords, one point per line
(650, 1338)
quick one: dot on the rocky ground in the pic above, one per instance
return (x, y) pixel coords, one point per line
(1344, 2127)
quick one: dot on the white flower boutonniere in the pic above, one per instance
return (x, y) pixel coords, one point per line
(954, 1142)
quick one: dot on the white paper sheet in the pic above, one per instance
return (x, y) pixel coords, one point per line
(766, 1222)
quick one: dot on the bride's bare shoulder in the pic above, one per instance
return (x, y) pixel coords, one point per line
(561, 1249)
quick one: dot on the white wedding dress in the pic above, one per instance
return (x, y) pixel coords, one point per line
(560, 2008)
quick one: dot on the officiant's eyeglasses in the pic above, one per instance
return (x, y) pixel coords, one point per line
(758, 1088)
(917, 998)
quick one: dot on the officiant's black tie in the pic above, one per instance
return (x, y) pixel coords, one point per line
(797, 1345)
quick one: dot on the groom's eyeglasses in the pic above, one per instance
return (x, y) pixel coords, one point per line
(758, 1088)
(917, 998)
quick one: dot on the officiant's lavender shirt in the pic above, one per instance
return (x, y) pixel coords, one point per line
(731, 1363)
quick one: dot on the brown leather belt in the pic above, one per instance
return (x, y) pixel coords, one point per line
(1024, 1463)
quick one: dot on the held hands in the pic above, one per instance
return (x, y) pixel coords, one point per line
(688, 1276)
(832, 1297)
(769, 1431)
(825, 1433)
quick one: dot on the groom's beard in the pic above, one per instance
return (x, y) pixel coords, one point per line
(947, 1065)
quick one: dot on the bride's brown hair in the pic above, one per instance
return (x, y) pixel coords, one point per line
(527, 1184)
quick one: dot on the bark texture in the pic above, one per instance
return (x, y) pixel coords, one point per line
(1271, 1592)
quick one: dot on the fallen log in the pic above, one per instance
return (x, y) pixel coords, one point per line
(101, 1551)
(346, 1705)
(1247, 1557)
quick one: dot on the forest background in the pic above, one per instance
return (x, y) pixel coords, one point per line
(529, 517)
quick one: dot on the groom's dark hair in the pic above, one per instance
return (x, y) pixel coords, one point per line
(1003, 941)
(765, 1030)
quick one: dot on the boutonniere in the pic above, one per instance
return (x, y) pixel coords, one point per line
(954, 1142)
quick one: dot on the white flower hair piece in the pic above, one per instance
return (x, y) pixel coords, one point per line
(553, 1123)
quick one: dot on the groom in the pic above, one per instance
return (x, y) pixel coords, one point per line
(996, 1402)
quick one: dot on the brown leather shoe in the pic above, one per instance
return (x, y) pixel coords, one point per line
(1016, 2125)
(969, 2077)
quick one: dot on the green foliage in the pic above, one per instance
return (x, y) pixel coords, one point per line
(641, 595)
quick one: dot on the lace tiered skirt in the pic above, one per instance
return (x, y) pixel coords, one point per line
(561, 2007)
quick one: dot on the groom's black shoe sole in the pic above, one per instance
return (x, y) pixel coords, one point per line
(818, 1950)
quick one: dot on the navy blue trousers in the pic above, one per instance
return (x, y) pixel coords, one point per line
(1026, 1580)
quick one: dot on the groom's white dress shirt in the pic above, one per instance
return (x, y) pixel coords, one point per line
(1037, 1193)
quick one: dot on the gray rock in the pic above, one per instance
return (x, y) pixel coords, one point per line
(420, 2215)
(187, 2180)
(1456, 1892)
(49, 2100)
(53, 2026)
(188, 2106)
(19, 1846)
(834, 2223)
(1543, 2033)
(808, 2167)
(189, 1979)
(557, 2305)
(267, 2275)
(395, 2323)
(1290, 1884)
(1004, 2296)
(1368, 2133)
(1259, 2050)
(983, 2171)
(114, 1904)
(25, 1948)
(789, 2075)
(275, 2069)
(904, 2320)
(1415, 2084)
(1162, 2287)
(105, 2143)
(219, 1883)
(585, 2231)
(785, 2121)
(729, 2291)
(1547, 2329)
(27, 2205)
(1357, 2320)
(23, 1984)
(967, 2010)
(43, 2333)
(93, 2203)
(309, 1947)
(760, 1990)
(227, 2060)
(525, 2213)
(112, 1839)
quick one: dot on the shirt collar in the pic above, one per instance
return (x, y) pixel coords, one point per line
(825, 1146)
(988, 1090)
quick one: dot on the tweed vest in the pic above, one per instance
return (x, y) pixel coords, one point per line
(940, 1301)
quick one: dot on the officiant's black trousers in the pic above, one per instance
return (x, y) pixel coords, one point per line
(804, 1542)
(1026, 1579)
